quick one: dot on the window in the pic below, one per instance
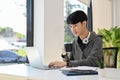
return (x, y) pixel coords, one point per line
(16, 29)
(69, 7)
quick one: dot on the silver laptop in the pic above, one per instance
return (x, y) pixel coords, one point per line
(35, 59)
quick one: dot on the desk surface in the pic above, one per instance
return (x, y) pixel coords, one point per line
(23, 72)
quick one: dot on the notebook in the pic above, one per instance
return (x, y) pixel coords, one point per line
(79, 72)
(34, 58)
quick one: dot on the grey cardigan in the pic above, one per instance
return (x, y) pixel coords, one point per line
(90, 55)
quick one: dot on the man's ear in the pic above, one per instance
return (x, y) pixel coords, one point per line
(84, 23)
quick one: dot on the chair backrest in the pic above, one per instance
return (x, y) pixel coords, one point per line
(110, 57)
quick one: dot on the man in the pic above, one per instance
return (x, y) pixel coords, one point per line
(86, 47)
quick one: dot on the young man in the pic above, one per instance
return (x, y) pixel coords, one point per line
(86, 47)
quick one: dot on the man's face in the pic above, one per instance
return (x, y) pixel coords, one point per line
(78, 28)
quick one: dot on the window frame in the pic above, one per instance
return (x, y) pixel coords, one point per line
(30, 23)
(90, 17)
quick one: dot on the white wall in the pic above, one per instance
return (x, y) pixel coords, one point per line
(106, 14)
(116, 12)
(102, 14)
(49, 28)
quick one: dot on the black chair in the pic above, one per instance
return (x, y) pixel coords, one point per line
(110, 57)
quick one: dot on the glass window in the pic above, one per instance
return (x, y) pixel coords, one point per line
(69, 7)
(13, 30)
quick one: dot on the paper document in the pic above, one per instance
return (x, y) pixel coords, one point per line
(79, 68)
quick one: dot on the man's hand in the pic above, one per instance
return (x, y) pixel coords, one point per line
(57, 64)
(63, 51)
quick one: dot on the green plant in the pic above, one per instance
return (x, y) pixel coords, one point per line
(100, 64)
(111, 38)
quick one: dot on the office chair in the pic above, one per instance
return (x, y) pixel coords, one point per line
(110, 57)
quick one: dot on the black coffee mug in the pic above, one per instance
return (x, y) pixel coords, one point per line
(68, 47)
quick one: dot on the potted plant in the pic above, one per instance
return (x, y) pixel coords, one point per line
(111, 38)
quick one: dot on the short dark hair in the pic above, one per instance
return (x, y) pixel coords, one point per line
(77, 16)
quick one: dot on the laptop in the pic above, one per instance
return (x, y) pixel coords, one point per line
(35, 59)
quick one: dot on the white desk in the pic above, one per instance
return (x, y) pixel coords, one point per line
(23, 72)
